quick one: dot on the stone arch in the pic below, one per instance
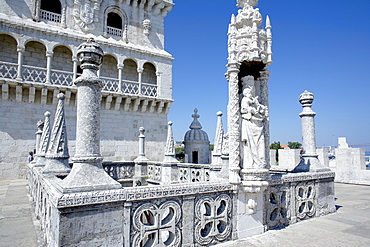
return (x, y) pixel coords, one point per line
(62, 58)
(109, 67)
(149, 74)
(35, 54)
(129, 71)
(8, 49)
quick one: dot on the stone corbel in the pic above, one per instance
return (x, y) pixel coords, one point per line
(117, 106)
(166, 10)
(144, 105)
(128, 2)
(44, 95)
(160, 107)
(68, 98)
(135, 107)
(152, 106)
(31, 94)
(108, 102)
(142, 4)
(158, 8)
(168, 107)
(150, 5)
(55, 98)
(18, 93)
(127, 104)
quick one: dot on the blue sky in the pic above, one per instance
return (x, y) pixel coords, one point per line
(319, 46)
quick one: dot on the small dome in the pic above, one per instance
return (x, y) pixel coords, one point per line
(195, 133)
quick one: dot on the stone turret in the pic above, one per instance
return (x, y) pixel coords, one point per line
(196, 142)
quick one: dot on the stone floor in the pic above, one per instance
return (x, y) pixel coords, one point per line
(350, 226)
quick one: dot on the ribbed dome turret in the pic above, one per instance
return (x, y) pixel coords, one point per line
(195, 133)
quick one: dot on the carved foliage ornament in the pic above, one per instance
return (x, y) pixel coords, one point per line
(213, 221)
(157, 226)
(85, 13)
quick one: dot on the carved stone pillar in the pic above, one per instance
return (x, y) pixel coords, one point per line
(234, 124)
(159, 84)
(120, 69)
(87, 173)
(140, 72)
(20, 50)
(75, 64)
(309, 160)
(49, 58)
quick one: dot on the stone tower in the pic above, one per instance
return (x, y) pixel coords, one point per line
(196, 142)
(249, 48)
(38, 60)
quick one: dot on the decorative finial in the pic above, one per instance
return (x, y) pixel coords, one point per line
(268, 23)
(90, 54)
(306, 98)
(195, 124)
(219, 113)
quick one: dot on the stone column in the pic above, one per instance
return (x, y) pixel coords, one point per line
(20, 50)
(140, 72)
(87, 173)
(159, 84)
(309, 160)
(141, 156)
(141, 161)
(120, 69)
(49, 58)
(234, 123)
(75, 64)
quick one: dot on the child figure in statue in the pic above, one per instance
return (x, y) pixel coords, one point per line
(253, 116)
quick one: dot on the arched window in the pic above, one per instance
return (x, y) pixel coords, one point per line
(149, 74)
(114, 20)
(51, 10)
(114, 24)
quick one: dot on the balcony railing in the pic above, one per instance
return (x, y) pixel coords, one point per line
(50, 16)
(114, 31)
(8, 70)
(37, 75)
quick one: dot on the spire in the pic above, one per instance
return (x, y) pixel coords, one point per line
(169, 153)
(44, 141)
(58, 146)
(195, 124)
(219, 135)
(57, 154)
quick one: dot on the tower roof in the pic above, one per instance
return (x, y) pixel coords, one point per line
(195, 133)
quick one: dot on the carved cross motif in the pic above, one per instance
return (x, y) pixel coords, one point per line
(213, 219)
(157, 226)
(305, 196)
(277, 213)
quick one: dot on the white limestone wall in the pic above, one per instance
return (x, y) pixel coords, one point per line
(119, 133)
(351, 166)
(288, 159)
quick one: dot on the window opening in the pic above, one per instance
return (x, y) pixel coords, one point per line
(114, 24)
(51, 10)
